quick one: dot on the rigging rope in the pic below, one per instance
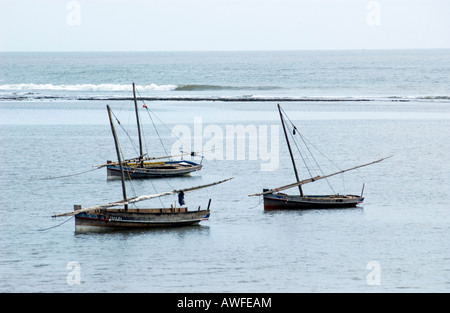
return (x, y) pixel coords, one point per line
(150, 113)
(305, 140)
(298, 149)
(259, 202)
(131, 140)
(122, 155)
(311, 144)
(56, 225)
(160, 200)
(129, 174)
(156, 116)
(154, 125)
(156, 129)
(55, 177)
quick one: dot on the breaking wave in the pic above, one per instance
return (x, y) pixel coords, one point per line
(127, 87)
(218, 87)
(169, 92)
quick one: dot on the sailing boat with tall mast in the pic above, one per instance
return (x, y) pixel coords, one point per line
(274, 199)
(107, 217)
(147, 167)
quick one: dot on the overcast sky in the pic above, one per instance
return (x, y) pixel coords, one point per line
(180, 25)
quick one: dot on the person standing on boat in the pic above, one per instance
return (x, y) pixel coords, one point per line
(181, 198)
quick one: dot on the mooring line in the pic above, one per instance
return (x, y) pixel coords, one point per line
(55, 177)
(56, 225)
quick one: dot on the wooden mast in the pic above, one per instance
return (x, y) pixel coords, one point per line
(290, 151)
(141, 154)
(116, 142)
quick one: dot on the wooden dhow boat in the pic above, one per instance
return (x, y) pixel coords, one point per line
(274, 199)
(143, 166)
(108, 217)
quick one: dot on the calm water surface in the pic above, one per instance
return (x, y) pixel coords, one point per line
(396, 103)
(403, 225)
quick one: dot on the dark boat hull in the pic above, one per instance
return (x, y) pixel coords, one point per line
(113, 219)
(280, 201)
(155, 170)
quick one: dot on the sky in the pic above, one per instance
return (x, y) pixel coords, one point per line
(199, 25)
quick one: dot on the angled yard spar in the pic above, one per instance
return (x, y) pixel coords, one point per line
(274, 199)
(105, 217)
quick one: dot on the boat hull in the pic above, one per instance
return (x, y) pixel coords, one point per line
(114, 219)
(154, 170)
(280, 201)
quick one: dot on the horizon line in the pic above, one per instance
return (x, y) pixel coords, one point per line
(206, 50)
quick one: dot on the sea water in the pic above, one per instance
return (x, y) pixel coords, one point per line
(353, 106)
